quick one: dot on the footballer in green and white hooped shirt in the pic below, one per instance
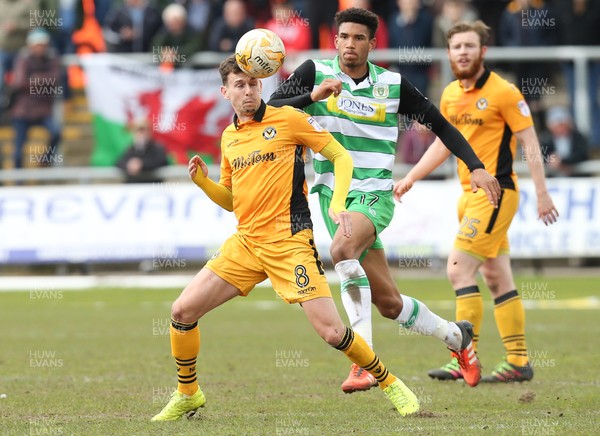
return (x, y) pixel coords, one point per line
(360, 103)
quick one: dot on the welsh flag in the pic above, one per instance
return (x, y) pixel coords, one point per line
(185, 108)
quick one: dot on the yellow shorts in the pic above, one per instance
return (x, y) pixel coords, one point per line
(293, 265)
(483, 229)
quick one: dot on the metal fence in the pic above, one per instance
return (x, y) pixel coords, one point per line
(580, 56)
(86, 175)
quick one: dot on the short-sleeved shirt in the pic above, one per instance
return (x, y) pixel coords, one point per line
(263, 165)
(487, 114)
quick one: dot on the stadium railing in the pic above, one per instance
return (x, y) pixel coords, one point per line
(580, 56)
(87, 175)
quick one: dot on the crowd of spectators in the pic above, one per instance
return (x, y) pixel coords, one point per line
(179, 28)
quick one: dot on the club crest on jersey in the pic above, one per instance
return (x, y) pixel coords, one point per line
(269, 133)
(481, 104)
(381, 90)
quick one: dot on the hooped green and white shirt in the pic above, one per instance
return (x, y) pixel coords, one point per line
(364, 119)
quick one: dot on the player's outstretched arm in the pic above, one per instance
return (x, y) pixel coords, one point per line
(218, 193)
(342, 171)
(531, 147)
(413, 103)
(299, 89)
(295, 90)
(458, 145)
(435, 155)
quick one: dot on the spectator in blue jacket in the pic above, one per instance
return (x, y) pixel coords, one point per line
(411, 30)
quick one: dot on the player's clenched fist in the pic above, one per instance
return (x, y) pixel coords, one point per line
(326, 88)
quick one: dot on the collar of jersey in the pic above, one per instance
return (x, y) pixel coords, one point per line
(258, 116)
(338, 71)
(481, 81)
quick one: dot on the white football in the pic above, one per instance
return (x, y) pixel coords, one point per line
(260, 53)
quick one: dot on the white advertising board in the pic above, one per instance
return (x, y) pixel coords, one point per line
(107, 223)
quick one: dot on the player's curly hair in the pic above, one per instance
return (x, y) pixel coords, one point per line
(359, 16)
(229, 65)
(479, 27)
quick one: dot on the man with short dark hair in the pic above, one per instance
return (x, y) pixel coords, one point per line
(263, 183)
(359, 103)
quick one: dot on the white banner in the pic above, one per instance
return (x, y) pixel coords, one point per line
(110, 222)
(168, 221)
(427, 221)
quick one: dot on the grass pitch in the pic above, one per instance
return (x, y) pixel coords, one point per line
(98, 363)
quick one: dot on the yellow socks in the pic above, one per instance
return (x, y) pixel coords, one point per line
(360, 353)
(185, 346)
(510, 320)
(469, 306)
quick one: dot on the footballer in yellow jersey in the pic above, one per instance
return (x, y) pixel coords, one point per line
(487, 114)
(262, 182)
(492, 115)
(269, 151)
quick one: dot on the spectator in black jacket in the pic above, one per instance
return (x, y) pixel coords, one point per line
(131, 27)
(577, 23)
(529, 23)
(201, 14)
(143, 156)
(228, 29)
(563, 146)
